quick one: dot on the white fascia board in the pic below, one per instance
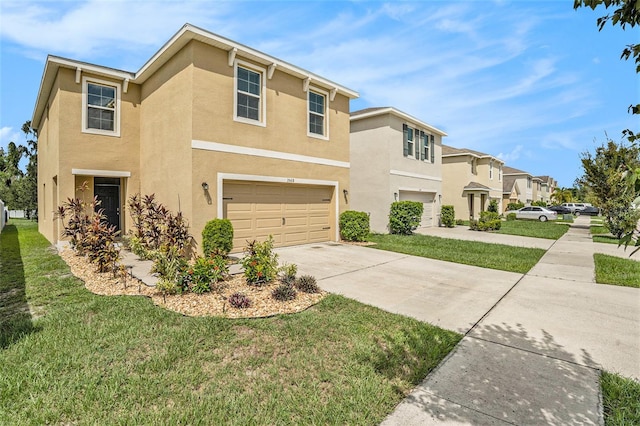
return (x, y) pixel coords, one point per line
(189, 32)
(402, 115)
(266, 153)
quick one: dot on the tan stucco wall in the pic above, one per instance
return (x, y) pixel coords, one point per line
(378, 164)
(457, 174)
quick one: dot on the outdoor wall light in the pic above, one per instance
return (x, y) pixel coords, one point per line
(205, 186)
(395, 196)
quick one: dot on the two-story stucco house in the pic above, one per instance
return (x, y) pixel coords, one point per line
(517, 186)
(547, 186)
(394, 157)
(212, 127)
(470, 180)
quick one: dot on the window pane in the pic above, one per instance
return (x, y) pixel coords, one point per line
(410, 134)
(103, 96)
(248, 107)
(248, 81)
(100, 119)
(316, 103)
(316, 124)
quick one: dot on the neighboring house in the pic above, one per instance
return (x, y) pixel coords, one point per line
(394, 157)
(548, 185)
(213, 128)
(517, 187)
(536, 184)
(470, 180)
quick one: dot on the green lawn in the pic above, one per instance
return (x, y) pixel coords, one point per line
(617, 271)
(68, 356)
(493, 256)
(532, 228)
(621, 400)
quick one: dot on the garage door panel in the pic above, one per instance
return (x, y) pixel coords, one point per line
(426, 198)
(257, 210)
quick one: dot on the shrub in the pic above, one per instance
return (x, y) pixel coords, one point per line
(539, 204)
(207, 272)
(307, 284)
(217, 237)
(447, 216)
(511, 216)
(354, 226)
(166, 286)
(288, 273)
(493, 206)
(169, 264)
(284, 292)
(405, 216)
(459, 222)
(239, 301)
(514, 206)
(489, 221)
(260, 263)
(138, 248)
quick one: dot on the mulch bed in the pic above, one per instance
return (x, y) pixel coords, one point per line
(191, 304)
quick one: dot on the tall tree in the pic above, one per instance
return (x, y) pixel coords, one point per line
(562, 195)
(10, 173)
(606, 177)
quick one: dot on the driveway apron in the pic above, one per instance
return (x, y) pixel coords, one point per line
(534, 345)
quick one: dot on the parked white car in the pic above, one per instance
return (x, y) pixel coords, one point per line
(535, 213)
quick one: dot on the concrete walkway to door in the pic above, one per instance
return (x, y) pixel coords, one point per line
(534, 344)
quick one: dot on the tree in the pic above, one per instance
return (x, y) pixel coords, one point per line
(606, 177)
(19, 189)
(28, 189)
(562, 195)
(10, 173)
(625, 13)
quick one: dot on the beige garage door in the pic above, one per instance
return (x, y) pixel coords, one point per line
(293, 214)
(426, 199)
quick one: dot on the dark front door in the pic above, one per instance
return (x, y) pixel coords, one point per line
(108, 192)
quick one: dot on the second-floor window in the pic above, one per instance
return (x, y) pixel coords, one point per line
(101, 107)
(317, 113)
(418, 144)
(491, 169)
(249, 99)
(529, 183)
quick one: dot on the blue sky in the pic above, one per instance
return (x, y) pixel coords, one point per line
(532, 82)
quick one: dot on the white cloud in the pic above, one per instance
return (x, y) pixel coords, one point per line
(8, 134)
(512, 156)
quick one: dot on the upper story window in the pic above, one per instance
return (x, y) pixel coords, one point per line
(499, 173)
(473, 166)
(491, 169)
(529, 182)
(317, 102)
(249, 99)
(101, 107)
(418, 144)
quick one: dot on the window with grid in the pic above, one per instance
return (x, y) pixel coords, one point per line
(101, 107)
(317, 104)
(248, 97)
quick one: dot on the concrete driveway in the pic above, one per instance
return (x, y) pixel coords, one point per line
(449, 295)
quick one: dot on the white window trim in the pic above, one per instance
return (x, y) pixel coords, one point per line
(490, 169)
(263, 93)
(116, 127)
(326, 114)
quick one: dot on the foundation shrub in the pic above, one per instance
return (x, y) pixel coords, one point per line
(169, 264)
(354, 225)
(287, 273)
(307, 284)
(493, 206)
(459, 222)
(489, 221)
(514, 206)
(260, 263)
(239, 301)
(217, 237)
(511, 216)
(539, 204)
(284, 292)
(404, 217)
(207, 272)
(448, 216)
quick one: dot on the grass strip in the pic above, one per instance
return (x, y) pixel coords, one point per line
(617, 271)
(532, 228)
(485, 255)
(71, 357)
(621, 400)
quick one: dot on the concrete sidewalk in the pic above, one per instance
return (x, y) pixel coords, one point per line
(464, 233)
(535, 358)
(534, 344)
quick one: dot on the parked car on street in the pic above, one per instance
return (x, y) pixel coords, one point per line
(560, 209)
(535, 213)
(590, 211)
(574, 207)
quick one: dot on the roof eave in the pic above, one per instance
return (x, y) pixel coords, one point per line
(398, 113)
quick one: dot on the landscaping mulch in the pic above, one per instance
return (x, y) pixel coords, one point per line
(191, 304)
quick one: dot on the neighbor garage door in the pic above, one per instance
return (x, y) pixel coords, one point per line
(426, 199)
(293, 214)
